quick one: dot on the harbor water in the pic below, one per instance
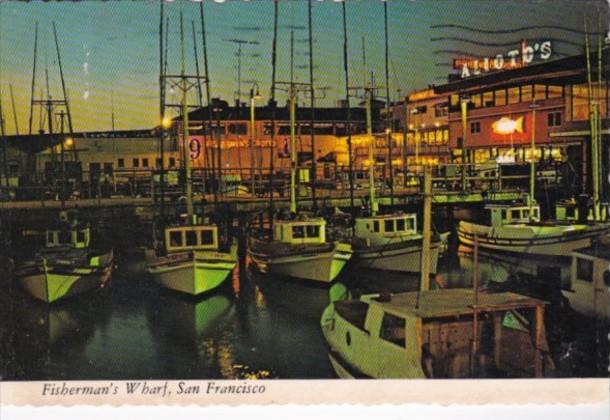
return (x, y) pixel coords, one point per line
(255, 326)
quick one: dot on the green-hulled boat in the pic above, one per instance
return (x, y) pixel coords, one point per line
(66, 266)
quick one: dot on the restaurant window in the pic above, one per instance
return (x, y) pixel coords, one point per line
(554, 119)
(393, 329)
(455, 102)
(526, 93)
(121, 162)
(172, 162)
(158, 162)
(513, 95)
(388, 225)
(476, 100)
(445, 136)
(488, 99)
(108, 168)
(539, 92)
(475, 127)
(145, 162)
(136, 162)
(584, 270)
(238, 129)
(500, 97)
(554, 91)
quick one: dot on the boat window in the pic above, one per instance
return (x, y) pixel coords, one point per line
(313, 231)
(410, 224)
(298, 232)
(191, 238)
(514, 214)
(175, 238)
(503, 214)
(584, 269)
(389, 225)
(400, 225)
(376, 226)
(51, 237)
(64, 237)
(393, 329)
(526, 214)
(207, 237)
(535, 213)
(80, 236)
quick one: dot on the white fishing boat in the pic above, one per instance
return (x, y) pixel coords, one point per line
(446, 333)
(299, 248)
(391, 242)
(517, 228)
(589, 291)
(190, 258)
(191, 261)
(66, 266)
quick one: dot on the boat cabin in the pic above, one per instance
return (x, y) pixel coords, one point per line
(503, 214)
(374, 228)
(300, 231)
(437, 334)
(567, 210)
(74, 236)
(191, 238)
(589, 291)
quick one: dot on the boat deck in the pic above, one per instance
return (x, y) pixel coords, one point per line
(452, 302)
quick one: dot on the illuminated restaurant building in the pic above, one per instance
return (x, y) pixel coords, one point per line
(500, 106)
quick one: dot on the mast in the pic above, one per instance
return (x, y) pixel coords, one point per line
(14, 109)
(4, 144)
(312, 106)
(207, 94)
(373, 207)
(293, 138)
(33, 76)
(63, 89)
(199, 89)
(387, 103)
(162, 61)
(185, 126)
(272, 103)
(349, 118)
(593, 115)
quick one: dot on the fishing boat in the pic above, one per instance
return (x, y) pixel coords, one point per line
(444, 333)
(589, 290)
(391, 242)
(299, 248)
(192, 259)
(66, 266)
(517, 228)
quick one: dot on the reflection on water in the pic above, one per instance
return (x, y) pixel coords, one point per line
(258, 326)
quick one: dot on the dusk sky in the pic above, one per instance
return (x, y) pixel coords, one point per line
(111, 48)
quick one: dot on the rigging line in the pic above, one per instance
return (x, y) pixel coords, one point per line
(501, 44)
(508, 31)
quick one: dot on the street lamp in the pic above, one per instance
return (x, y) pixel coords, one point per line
(254, 95)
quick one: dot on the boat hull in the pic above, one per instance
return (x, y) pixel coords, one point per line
(403, 257)
(321, 266)
(192, 274)
(521, 240)
(55, 282)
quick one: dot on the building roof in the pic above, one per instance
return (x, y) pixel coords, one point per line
(560, 71)
(282, 113)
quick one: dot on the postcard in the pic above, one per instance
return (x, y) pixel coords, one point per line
(229, 202)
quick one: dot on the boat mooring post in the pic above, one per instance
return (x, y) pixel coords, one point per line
(426, 230)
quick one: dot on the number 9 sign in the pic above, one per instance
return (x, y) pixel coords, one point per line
(194, 149)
